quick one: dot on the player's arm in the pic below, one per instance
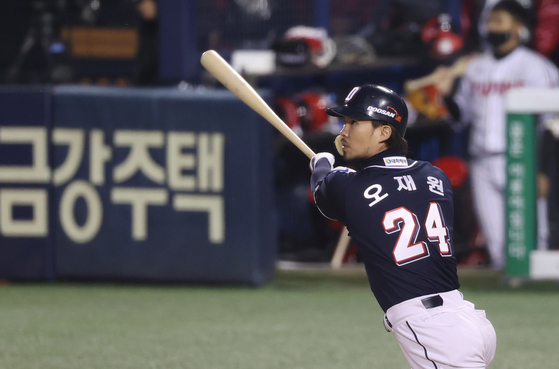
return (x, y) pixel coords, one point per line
(456, 92)
(328, 186)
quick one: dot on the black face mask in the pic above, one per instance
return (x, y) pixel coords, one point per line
(496, 39)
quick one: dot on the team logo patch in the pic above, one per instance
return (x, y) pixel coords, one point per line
(395, 161)
(351, 94)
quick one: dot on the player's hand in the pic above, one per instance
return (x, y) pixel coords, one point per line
(320, 156)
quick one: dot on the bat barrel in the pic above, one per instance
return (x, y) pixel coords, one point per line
(225, 74)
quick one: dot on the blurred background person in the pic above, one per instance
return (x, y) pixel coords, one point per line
(479, 100)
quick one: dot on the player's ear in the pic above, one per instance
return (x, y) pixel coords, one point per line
(386, 132)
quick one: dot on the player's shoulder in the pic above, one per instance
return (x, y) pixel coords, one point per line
(539, 68)
(435, 170)
(339, 176)
(341, 172)
(532, 59)
(426, 167)
(427, 170)
(529, 54)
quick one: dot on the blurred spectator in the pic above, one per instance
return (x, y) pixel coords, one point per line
(148, 50)
(479, 100)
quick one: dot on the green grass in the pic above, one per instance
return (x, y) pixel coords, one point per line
(301, 320)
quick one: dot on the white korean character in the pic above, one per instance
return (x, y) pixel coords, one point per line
(516, 202)
(99, 154)
(405, 183)
(211, 204)
(85, 232)
(516, 170)
(74, 139)
(435, 185)
(516, 219)
(210, 162)
(516, 186)
(38, 171)
(139, 199)
(179, 161)
(37, 199)
(139, 158)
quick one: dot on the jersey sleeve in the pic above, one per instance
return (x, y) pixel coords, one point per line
(329, 189)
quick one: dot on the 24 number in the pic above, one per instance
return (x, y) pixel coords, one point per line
(407, 249)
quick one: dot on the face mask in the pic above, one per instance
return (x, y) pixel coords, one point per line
(496, 39)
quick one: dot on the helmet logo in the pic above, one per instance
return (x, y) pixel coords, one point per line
(398, 117)
(351, 93)
(374, 109)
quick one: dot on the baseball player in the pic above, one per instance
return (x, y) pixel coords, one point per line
(400, 214)
(480, 100)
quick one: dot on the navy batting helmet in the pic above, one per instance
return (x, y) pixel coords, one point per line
(373, 102)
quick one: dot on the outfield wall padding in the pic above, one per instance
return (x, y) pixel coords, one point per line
(144, 184)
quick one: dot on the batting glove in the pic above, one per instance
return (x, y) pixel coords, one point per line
(319, 156)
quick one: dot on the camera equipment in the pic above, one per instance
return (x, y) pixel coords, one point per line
(43, 32)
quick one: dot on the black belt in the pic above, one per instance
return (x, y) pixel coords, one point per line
(428, 302)
(432, 302)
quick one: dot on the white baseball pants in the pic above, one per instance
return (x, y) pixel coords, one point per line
(454, 335)
(488, 178)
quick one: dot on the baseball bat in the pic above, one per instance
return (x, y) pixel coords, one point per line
(341, 248)
(225, 74)
(457, 69)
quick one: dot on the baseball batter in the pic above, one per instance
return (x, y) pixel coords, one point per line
(481, 99)
(400, 214)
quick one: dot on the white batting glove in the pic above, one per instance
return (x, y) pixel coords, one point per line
(322, 155)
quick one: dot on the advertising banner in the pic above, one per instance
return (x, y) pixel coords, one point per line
(157, 185)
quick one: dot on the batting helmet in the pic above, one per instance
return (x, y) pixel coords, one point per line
(373, 102)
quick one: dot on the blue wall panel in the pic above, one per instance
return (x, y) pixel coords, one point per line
(25, 242)
(159, 185)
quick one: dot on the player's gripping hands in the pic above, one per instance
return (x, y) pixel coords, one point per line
(329, 159)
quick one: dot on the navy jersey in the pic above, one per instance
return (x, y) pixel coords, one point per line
(400, 214)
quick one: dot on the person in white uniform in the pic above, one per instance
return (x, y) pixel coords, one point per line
(480, 101)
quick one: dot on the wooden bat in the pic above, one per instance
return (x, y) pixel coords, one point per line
(457, 69)
(341, 248)
(225, 74)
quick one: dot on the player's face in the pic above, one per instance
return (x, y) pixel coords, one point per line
(360, 140)
(501, 22)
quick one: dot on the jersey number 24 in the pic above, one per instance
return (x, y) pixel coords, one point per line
(407, 249)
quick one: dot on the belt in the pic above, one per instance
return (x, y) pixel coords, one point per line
(428, 303)
(432, 302)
